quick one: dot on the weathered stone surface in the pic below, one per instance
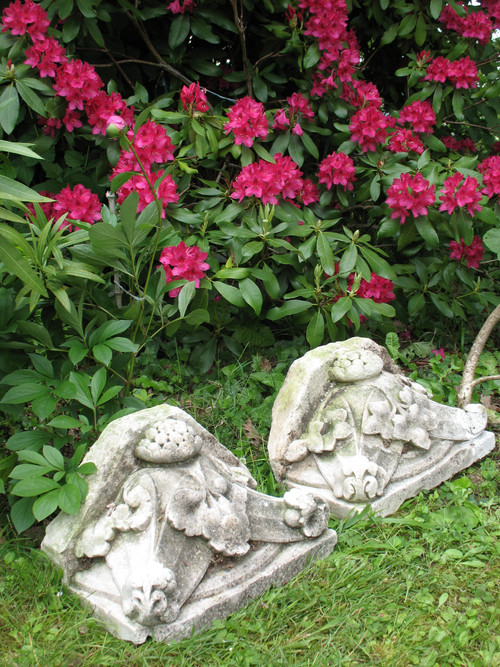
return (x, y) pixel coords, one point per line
(172, 533)
(347, 424)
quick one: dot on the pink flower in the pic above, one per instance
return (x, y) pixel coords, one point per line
(78, 82)
(29, 17)
(476, 26)
(309, 193)
(71, 120)
(268, 181)
(381, 290)
(369, 128)
(361, 94)
(166, 189)
(439, 353)
(337, 169)
(403, 141)
(490, 169)
(247, 121)
(459, 145)
(176, 8)
(463, 73)
(181, 262)
(455, 195)
(79, 203)
(45, 55)
(103, 106)
(193, 98)
(410, 194)
(473, 252)
(299, 108)
(438, 69)
(419, 115)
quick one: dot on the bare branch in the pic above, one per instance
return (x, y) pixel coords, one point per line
(238, 22)
(464, 392)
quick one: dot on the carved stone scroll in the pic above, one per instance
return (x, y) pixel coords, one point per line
(347, 424)
(172, 533)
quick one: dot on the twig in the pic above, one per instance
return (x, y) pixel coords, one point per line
(467, 384)
(157, 55)
(238, 22)
(481, 127)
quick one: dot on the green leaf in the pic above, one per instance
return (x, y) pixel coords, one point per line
(378, 264)
(325, 254)
(230, 293)
(24, 393)
(348, 259)
(457, 102)
(121, 344)
(108, 330)
(44, 406)
(315, 330)
(71, 28)
(65, 421)
(340, 308)
(492, 241)
(45, 505)
(97, 384)
(186, 295)
(34, 486)
(54, 457)
(309, 145)
(416, 303)
(15, 191)
(436, 8)
(291, 307)
(390, 34)
(22, 515)
(311, 56)
(95, 32)
(109, 394)
(88, 468)
(421, 31)
(31, 98)
(76, 353)
(9, 108)
(102, 354)
(179, 30)
(19, 149)
(427, 232)
(69, 498)
(252, 294)
(441, 305)
(32, 439)
(375, 188)
(435, 144)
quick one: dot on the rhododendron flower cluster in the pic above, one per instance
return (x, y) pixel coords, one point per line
(419, 115)
(490, 169)
(410, 194)
(268, 181)
(361, 94)
(339, 46)
(459, 145)
(78, 82)
(193, 98)
(177, 8)
(473, 252)
(381, 290)
(166, 189)
(404, 141)
(462, 73)
(299, 107)
(369, 128)
(337, 169)
(152, 145)
(477, 25)
(455, 194)
(20, 17)
(45, 54)
(78, 203)
(103, 106)
(247, 121)
(180, 262)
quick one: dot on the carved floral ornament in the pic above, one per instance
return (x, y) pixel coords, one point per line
(149, 560)
(348, 424)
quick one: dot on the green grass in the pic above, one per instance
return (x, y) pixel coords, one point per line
(418, 588)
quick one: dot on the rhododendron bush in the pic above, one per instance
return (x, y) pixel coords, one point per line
(232, 172)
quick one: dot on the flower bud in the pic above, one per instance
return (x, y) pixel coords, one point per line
(114, 126)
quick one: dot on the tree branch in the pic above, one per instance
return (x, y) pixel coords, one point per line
(157, 55)
(238, 22)
(467, 384)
